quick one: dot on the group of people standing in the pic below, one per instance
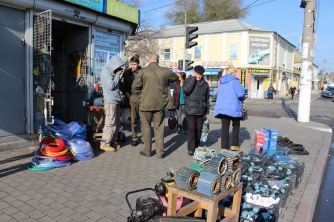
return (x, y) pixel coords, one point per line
(148, 92)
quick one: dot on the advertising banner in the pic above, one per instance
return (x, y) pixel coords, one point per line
(259, 50)
(120, 10)
(96, 5)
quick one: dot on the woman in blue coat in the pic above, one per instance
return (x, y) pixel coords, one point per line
(229, 107)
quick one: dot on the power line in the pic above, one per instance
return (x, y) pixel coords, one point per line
(162, 6)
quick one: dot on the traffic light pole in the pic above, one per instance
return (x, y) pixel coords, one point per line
(305, 81)
(185, 39)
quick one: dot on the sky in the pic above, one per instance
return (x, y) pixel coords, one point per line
(283, 16)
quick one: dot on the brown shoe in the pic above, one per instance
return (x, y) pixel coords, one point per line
(107, 148)
(115, 145)
(234, 148)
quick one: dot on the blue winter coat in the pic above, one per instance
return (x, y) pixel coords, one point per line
(230, 97)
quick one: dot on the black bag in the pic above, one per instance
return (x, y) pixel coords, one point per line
(172, 121)
(244, 113)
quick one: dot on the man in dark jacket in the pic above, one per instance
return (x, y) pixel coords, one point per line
(132, 96)
(270, 91)
(197, 106)
(153, 81)
(292, 91)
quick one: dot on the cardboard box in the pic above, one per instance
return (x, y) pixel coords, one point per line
(258, 139)
(266, 138)
(273, 135)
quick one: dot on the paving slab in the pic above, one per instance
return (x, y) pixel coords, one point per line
(95, 190)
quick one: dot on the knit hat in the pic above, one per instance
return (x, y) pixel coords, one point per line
(199, 69)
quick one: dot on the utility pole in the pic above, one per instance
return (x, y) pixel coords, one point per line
(323, 73)
(305, 82)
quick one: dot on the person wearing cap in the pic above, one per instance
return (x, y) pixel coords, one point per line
(110, 78)
(132, 96)
(197, 106)
(153, 82)
(228, 107)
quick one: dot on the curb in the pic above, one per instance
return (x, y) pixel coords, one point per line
(306, 207)
(275, 101)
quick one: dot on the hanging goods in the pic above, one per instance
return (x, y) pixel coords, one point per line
(205, 130)
(187, 178)
(232, 159)
(216, 165)
(146, 207)
(172, 121)
(209, 184)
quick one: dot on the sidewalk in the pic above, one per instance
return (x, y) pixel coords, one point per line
(95, 190)
(285, 99)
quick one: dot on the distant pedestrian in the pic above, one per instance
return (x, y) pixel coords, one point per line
(228, 107)
(153, 82)
(110, 78)
(197, 106)
(178, 100)
(133, 96)
(292, 91)
(270, 91)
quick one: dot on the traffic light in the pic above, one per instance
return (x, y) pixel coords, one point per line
(190, 36)
(303, 4)
(188, 64)
(180, 64)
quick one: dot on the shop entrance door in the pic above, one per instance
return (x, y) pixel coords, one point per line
(12, 87)
(255, 84)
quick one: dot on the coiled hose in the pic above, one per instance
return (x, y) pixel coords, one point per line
(82, 149)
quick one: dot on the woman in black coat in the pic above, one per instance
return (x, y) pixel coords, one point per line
(197, 106)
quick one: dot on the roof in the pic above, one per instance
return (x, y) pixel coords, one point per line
(221, 26)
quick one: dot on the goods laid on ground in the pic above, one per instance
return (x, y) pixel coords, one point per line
(60, 143)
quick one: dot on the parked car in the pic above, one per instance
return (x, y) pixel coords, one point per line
(213, 94)
(328, 92)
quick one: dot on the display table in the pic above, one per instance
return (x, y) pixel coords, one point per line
(201, 201)
(98, 117)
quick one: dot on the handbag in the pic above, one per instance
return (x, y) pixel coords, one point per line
(172, 121)
(244, 113)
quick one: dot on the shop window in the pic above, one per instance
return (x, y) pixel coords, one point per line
(214, 80)
(166, 54)
(198, 53)
(233, 51)
(106, 46)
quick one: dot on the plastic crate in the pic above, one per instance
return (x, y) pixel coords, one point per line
(288, 188)
(274, 218)
(274, 207)
(299, 172)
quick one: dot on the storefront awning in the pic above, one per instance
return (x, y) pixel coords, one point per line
(260, 75)
(208, 72)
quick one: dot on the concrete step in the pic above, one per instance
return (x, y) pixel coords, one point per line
(18, 141)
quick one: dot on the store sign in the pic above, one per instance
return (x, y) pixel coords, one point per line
(120, 10)
(243, 77)
(216, 63)
(96, 5)
(259, 70)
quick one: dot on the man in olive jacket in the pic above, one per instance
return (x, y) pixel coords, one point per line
(153, 81)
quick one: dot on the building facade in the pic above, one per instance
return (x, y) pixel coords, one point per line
(261, 56)
(51, 54)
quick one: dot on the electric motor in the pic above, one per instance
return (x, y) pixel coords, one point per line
(232, 159)
(226, 182)
(209, 184)
(236, 176)
(187, 178)
(216, 166)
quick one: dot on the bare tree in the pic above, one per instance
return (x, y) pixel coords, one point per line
(145, 42)
(194, 11)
